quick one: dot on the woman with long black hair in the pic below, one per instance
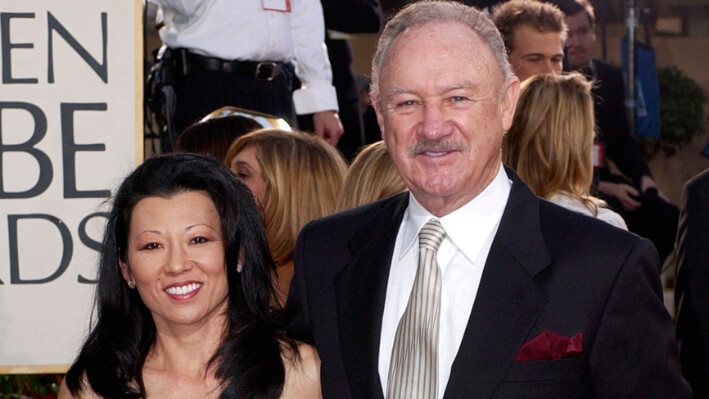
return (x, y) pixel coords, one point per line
(185, 304)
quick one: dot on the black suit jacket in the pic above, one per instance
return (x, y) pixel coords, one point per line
(548, 269)
(692, 284)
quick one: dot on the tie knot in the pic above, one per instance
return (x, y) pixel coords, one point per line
(431, 235)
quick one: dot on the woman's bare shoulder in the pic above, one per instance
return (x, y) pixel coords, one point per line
(302, 373)
(85, 393)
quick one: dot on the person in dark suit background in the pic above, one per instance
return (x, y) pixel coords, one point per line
(536, 301)
(342, 18)
(692, 284)
(635, 195)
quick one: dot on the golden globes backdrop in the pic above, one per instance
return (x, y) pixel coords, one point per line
(70, 129)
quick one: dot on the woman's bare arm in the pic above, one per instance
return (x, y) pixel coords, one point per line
(302, 374)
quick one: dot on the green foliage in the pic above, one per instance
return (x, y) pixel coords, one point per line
(36, 386)
(681, 110)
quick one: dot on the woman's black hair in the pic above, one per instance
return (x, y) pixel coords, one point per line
(248, 362)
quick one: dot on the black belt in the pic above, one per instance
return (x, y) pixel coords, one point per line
(260, 70)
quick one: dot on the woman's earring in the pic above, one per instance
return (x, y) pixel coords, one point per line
(131, 284)
(239, 267)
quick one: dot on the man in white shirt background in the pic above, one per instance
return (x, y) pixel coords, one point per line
(244, 54)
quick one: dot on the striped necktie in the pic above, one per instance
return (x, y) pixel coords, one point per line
(413, 369)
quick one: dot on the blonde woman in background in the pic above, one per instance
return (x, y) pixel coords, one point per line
(372, 176)
(296, 178)
(550, 143)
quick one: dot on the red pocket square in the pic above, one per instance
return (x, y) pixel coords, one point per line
(550, 346)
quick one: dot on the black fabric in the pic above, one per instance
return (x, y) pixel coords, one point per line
(260, 70)
(656, 219)
(201, 91)
(692, 285)
(353, 16)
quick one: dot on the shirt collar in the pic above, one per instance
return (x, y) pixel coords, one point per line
(469, 226)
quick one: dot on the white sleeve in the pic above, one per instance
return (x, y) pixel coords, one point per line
(312, 64)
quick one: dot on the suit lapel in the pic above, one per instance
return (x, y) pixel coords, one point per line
(360, 289)
(508, 300)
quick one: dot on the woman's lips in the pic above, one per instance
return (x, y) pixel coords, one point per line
(183, 289)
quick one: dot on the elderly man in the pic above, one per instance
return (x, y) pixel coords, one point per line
(534, 34)
(469, 286)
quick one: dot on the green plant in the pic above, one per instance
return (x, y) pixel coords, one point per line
(35, 386)
(681, 111)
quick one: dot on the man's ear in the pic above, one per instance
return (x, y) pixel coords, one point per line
(508, 101)
(125, 271)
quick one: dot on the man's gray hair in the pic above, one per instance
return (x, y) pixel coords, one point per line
(423, 12)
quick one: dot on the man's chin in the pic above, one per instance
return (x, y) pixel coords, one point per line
(578, 62)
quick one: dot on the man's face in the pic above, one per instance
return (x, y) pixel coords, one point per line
(443, 107)
(581, 41)
(535, 52)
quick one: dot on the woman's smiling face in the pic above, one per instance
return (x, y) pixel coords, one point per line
(176, 257)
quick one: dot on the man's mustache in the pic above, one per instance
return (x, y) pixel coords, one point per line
(443, 145)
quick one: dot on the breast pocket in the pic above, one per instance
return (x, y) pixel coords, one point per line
(536, 379)
(540, 370)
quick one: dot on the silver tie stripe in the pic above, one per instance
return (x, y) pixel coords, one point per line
(413, 369)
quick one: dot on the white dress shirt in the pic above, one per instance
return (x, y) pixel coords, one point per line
(243, 30)
(470, 231)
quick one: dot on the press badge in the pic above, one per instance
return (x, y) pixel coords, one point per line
(599, 155)
(276, 5)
